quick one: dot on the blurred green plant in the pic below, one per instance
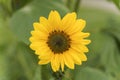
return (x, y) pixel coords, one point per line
(18, 61)
(117, 3)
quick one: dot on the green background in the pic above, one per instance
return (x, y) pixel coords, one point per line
(18, 61)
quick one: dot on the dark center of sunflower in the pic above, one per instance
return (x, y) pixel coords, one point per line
(58, 41)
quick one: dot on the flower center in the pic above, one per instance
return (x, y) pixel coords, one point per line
(58, 41)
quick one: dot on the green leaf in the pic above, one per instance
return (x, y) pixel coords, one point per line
(110, 57)
(90, 74)
(27, 60)
(21, 62)
(117, 3)
(22, 21)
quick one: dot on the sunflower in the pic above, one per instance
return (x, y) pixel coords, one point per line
(59, 41)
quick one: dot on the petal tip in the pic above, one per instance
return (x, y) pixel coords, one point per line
(35, 23)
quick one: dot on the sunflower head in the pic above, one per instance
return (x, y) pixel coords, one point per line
(60, 41)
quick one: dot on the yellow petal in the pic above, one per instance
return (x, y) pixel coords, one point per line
(80, 48)
(43, 21)
(84, 48)
(82, 57)
(36, 45)
(75, 56)
(32, 39)
(77, 27)
(54, 20)
(38, 36)
(43, 50)
(46, 24)
(80, 41)
(46, 55)
(85, 42)
(79, 35)
(68, 60)
(53, 64)
(57, 61)
(37, 39)
(68, 21)
(78, 38)
(40, 27)
(85, 35)
(44, 61)
(62, 61)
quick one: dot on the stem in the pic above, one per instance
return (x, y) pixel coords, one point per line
(58, 75)
(77, 5)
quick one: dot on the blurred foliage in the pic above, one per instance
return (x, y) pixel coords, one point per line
(117, 2)
(18, 61)
(5, 5)
(17, 4)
